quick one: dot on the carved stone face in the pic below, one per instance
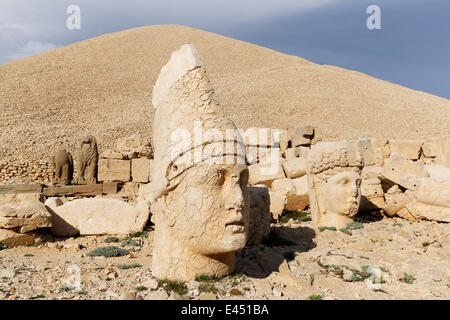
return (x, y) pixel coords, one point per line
(342, 193)
(210, 208)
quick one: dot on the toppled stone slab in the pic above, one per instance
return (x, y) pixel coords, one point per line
(400, 171)
(99, 216)
(81, 190)
(25, 218)
(21, 188)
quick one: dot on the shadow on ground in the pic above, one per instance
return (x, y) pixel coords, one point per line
(282, 244)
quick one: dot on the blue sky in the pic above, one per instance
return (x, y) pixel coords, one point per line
(411, 49)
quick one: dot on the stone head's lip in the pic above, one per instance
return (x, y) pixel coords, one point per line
(235, 220)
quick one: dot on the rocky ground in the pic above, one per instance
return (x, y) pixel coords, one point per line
(387, 259)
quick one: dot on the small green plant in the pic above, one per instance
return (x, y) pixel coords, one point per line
(322, 229)
(274, 240)
(108, 252)
(397, 224)
(352, 226)
(128, 266)
(176, 286)
(311, 279)
(130, 243)
(3, 246)
(408, 278)
(363, 257)
(384, 269)
(81, 292)
(355, 225)
(39, 296)
(207, 287)
(112, 239)
(66, 288)
(17, 271)
(377, 239)
(141, 288)
(28, 255)
(297, 216)
(290, 255)
(315, 297)
(206, 278)
(236, 275)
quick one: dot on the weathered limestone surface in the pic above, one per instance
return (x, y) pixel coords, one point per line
(400, 171)
(334, 183)
(260, 216)
(201, 205)
(23, 212)
(438, 172)
(13, 239)
(21, 188)
(372, 197)
(114, 170)
(266, 172)
(295, 168)
(140, 170)
(277, 203)
(82, 190)
(296, 201)
(25, 218)
(99, 216)
(408, 149)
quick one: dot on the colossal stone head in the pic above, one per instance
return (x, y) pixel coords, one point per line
(334, 182)
(200, 197)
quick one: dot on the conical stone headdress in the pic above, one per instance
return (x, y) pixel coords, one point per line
(189, 126)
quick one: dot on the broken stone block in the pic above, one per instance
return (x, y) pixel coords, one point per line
(408, 149)
(114, 170)
(266, 172)
(260, 216)
(433, 148)
(395, 200)
(372, 195)
(277, 204)
(25, 218)
(108, 154)
(287, 187)
(295, 168)
(110, 187)
(99, 216)
(21, 188)
(13, 239)
(140, 170)
(290, 153)
(303, 136)
(82, 190)
(400, 171)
